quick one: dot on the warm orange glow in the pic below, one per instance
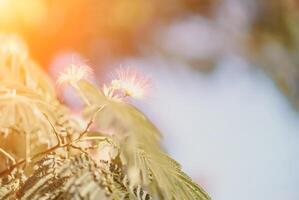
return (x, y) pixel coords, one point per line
(50, 27)
(107, 28)
(15, 14)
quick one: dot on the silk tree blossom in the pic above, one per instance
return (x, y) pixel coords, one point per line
(127, 82)
(73, 74)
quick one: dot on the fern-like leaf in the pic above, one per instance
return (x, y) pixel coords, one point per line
(140, 147)
(56, 177)
(9, 184)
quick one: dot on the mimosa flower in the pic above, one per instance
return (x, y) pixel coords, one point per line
(74, 73)
(127, 82)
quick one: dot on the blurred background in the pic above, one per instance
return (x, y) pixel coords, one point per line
(225, 78)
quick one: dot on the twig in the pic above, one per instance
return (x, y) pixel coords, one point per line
(79, 148)
(8, 155)
(59, 144)
(90, 122)
(54, 129)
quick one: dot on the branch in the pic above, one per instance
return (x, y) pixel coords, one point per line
(59, 144)
(6, 154)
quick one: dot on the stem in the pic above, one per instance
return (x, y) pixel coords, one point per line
(54, 129)
(94, 138)
(59, 145)
(90, 123)
(28, 147)
(7, 155)
(86, 101)
(43, 153)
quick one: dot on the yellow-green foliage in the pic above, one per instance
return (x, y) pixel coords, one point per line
(46, 154)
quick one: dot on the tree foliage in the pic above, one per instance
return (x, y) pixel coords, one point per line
(116, 156)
